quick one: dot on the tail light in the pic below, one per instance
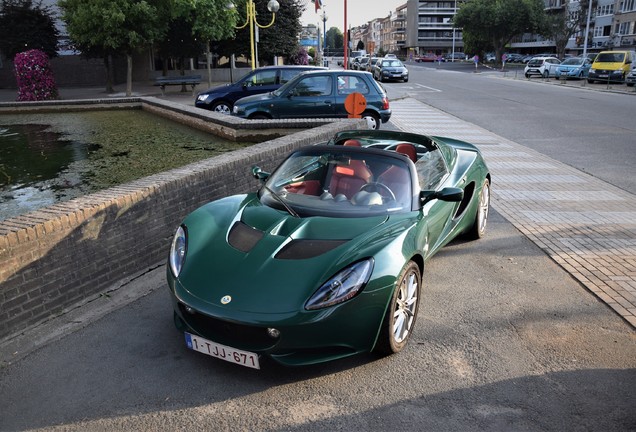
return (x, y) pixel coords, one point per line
(385, 103)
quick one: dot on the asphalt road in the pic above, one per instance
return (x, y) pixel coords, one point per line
(505, 340)
(583, 125)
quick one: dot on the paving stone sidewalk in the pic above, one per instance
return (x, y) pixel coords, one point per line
(584, 224)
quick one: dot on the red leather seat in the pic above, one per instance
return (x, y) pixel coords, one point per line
(348, 179)
(407, 149)
(397, 178)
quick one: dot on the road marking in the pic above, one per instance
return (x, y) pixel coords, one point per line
(419, 88)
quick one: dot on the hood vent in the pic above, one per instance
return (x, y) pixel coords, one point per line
(244, 237)
(305, 249)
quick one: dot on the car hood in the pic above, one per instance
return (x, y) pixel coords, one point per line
(607, 65)
(268, 261)
(219, 89)
(393, 68)
(255, 98)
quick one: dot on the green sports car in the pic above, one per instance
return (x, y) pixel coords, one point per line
(326, 259)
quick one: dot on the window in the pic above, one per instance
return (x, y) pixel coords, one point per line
(313, 86)
(431, 170)
(348, 84)
(263, 78)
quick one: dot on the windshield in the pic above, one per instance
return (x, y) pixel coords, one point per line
(341, 182)
(610, 58)
(575, 61)
(391, 63)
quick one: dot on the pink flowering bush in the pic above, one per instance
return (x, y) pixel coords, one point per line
(34, 76)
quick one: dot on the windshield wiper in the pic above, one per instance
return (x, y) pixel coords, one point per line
(290, 210)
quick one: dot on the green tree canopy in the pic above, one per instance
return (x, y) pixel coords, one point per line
(492, 24)
(25, 25)
(124, 26)
(335, 39)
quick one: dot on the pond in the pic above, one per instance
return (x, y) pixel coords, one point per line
(49, 158)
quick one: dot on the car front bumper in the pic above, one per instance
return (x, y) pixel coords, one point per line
(306, 337)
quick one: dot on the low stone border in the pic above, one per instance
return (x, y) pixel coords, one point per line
(227, 127)
(58, 257)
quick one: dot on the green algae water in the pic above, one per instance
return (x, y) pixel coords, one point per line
(49, 158)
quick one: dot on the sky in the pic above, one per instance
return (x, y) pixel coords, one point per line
(358, 12)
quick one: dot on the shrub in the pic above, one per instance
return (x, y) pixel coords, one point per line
(34, 76)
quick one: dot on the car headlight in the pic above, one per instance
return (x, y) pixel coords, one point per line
(344, 285)
(202, 97)
(178, 251)
(236, 109)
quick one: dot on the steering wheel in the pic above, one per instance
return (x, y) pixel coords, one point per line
(378, 187)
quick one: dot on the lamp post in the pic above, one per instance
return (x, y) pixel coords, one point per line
(250, 11)
(324, 32)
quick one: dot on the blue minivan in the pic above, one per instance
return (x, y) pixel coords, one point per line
(262, 80)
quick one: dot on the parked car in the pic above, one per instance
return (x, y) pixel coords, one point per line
(573, 67)
(630, 79)
(611, 66)
(318, 94)
(372, 62)
(426, 58)
(542, 66)
(390, 69)
(362, 63)
(456, 56)
(326, 259)
(262, 80)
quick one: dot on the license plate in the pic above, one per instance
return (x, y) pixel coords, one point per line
(603, 76)
(229, 354)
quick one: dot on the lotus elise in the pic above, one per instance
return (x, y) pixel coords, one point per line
(326, 259)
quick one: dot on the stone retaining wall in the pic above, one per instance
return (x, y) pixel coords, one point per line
(58, 257)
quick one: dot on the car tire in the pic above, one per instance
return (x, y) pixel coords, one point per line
(399, 319)
(630, 84)
(222, 107)
(478, 230)
(590, 81)
(406, 80)
(373, 120)
(527, 75)
(546, 74)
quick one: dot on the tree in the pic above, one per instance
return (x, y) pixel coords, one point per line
(25, 25)
(561, 26)
(335, 39)
(492, 24)
(278, 40)
(124, 26)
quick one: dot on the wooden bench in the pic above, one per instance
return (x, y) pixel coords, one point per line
(191, 80)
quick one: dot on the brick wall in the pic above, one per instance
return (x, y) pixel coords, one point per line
(58, 257)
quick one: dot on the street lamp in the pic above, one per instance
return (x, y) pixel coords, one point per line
(250, 9)
(324, 30)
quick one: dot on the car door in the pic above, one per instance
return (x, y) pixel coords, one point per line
(262, 81)
(347, 84)
(312, 96)
(437, 215)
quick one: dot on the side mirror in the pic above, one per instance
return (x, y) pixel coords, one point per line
(259, 174)
(450, 194)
